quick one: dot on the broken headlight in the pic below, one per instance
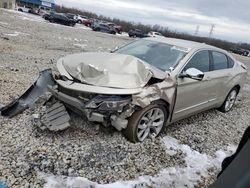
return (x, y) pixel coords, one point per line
(108, 103)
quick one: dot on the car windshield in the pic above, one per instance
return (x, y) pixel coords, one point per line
(160, 55)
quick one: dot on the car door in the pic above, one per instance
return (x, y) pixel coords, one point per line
(57, 18)
(221, 73)
(195, 95)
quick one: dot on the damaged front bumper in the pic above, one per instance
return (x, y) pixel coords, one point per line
(29, 98)
(105, 108)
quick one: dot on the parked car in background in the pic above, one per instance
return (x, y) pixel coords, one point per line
(83, 20)
(34, 11)
(71, 16)
(154, 34)
(59, 18)
(46, 16)
(239, 51)
(118, 28)
(137, 33)
(44, 10)
(103, 27)
(23, 8)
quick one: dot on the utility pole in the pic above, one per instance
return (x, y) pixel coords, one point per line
(197, 30)
(211, 30)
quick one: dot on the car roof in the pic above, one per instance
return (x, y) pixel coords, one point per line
(190, 45)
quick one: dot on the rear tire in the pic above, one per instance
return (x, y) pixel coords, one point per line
(229, 101)
(146, 122)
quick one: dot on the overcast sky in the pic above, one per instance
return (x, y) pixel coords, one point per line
(231, 17)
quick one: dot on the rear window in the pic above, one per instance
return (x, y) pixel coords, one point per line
(220, 61)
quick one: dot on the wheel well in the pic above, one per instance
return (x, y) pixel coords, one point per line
(162, 102)
(237, 87)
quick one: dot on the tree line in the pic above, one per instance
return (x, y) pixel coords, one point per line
(126, 26)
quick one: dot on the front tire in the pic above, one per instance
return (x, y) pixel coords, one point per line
(229, 101)
(146, 122)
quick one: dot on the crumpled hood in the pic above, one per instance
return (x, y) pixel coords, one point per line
(109, 69)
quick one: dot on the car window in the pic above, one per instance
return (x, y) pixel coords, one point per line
(220, 60)
(199, 61)
(230, 62)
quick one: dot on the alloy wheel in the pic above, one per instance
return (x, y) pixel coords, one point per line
(150, 124)
(230, 100)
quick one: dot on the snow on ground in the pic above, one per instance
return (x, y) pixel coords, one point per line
(15, 34)
(123, 34)
(33, 18)
(82, 46)
(80, 26)
(197, 167)
(4, 23)
(26, 16)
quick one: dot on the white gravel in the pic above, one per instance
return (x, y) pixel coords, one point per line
(88, 150)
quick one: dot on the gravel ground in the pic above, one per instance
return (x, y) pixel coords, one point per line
(29, 44)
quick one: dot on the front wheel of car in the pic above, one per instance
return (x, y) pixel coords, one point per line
(230, 100)
(146, 122)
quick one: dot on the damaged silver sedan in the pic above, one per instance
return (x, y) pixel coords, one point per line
(137, 88)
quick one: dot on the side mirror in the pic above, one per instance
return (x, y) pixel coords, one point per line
(192, 73)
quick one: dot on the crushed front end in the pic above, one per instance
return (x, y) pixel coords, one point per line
(106, 109)
(100, 86)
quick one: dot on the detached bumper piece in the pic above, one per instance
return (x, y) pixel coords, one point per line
(55, 118)
(29, 98)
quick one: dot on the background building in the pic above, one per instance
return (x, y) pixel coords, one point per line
(37, 4)
(9, 4)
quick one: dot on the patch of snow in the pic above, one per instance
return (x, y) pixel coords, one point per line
(82, 46)
(15, 34)
(197, 166)
(33, 18)
(4, 23)
(80, 182)
(80, 26)
(222, 154)
(123, 34)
